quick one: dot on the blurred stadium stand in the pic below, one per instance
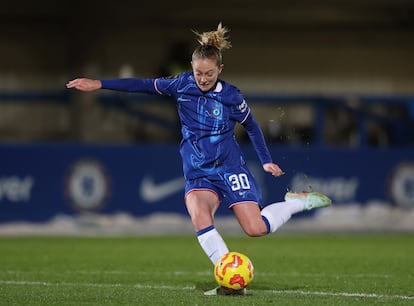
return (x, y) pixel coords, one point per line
(317, 73)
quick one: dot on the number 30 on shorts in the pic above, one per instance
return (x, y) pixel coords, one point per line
(239, 181)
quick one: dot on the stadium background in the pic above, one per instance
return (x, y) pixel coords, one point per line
(331, 85)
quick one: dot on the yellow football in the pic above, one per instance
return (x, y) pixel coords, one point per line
(234, 271)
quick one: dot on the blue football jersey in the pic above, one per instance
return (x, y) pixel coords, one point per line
(207, 120)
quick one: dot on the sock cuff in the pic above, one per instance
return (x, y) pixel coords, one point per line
(205, 230)
(266, 221)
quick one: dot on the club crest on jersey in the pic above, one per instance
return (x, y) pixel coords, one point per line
(243, 106)
(216, 112)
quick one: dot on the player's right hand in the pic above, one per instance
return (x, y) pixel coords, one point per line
(84, 84)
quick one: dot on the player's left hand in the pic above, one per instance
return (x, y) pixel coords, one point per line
(273, 169)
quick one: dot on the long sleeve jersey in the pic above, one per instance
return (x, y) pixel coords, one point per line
(207, 121)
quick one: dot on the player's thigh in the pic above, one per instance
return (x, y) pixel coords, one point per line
(250, 219)
(201, 206)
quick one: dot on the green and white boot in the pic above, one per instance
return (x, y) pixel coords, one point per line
(310, 200)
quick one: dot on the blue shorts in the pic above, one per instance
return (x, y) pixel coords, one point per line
(232, 186)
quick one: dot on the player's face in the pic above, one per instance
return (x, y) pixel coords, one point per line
(206, 72)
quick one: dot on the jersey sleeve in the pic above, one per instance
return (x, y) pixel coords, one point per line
(130, 85)
(239, 110)
(167, 86)
(159, 86)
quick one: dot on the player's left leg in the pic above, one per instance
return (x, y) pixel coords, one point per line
(277, 214)
(201, 205)
(258, 223)
(250, 219)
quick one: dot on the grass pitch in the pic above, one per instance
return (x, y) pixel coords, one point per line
(290, 270)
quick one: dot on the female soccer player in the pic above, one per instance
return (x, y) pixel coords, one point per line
(214, 167)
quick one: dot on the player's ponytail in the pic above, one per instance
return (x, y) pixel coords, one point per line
(212, 44)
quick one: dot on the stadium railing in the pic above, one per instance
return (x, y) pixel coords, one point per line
(396, 115)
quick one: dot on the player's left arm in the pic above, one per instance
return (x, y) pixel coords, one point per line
(256, 137)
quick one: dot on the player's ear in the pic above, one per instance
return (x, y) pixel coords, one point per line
(221, 68)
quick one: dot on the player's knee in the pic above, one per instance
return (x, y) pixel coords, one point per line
(255, 230)
(200, 222)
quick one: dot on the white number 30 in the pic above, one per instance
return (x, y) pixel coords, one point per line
(239, 181)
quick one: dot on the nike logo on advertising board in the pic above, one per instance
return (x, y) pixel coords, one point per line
(152, 192)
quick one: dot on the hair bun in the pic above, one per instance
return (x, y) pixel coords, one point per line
(216, 38)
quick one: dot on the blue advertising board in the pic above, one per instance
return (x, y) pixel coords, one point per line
(38, 182)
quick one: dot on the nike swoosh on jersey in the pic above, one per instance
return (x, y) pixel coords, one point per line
(152, 192)
(181, 99)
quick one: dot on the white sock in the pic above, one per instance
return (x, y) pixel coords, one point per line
(277, 214)
(212, 243)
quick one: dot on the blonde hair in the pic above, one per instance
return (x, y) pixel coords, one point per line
(212, 44)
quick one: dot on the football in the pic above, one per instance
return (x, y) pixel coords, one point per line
(233, 271)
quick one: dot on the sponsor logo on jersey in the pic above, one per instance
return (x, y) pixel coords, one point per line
(243, 106)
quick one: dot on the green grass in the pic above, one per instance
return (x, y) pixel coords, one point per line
(290, 270)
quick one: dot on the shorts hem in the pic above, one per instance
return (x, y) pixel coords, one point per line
(241, 202)
(200, 189)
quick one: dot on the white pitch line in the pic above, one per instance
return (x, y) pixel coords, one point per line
(164, 287)
(48, 284)
(158, 287)
(343, 294)
(268, 274)
(324, 275)
(95, 285)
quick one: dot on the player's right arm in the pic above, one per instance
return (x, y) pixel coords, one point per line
(124, 84)
(84, 84)
(160, 86)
